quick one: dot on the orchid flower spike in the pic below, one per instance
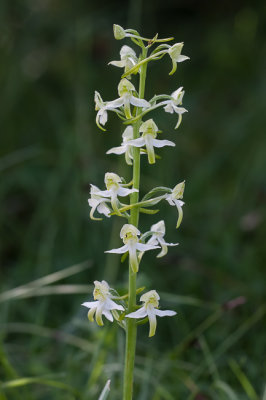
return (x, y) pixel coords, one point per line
(174, 200)
(97, 202)
(129, 234)
(128, 59)
(125, 146)
(149, 133)
(173, 103)
(176, 56)
(126, 97)
(103, 304)
(115, 188)
(150, 310)
(158, 232)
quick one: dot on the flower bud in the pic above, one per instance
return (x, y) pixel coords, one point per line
(119, 32)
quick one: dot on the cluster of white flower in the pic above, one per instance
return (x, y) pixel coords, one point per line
(139, 137)
(104, 305)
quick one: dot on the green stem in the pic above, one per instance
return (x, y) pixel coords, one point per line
(131, 329)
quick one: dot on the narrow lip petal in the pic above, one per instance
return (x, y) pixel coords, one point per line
(152, 320)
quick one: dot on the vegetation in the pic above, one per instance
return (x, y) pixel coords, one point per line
(53, 56)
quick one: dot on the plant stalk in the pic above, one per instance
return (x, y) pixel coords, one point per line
(131, 328)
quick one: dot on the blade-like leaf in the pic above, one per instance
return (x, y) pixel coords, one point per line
(106, 391)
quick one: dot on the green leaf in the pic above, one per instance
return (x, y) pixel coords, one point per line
(226, 389)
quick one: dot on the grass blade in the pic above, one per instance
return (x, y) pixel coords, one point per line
(106, 390)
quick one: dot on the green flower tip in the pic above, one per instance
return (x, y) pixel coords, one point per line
(119, 32)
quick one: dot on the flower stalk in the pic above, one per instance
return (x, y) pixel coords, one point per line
(131, 328)
(141, 137)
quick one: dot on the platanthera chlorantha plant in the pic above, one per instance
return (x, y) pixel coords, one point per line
(141, 137)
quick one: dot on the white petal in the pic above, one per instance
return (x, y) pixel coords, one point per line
(139, 102)
(103, 209)
(180, 110)
(103, 116)
(114, 104)
(164, 313)
(117, 150)
(137, 142)
(146, 247)
(120, 250)
(162, 143)
(108, 315)
(141, 313)
(105, 193)
(111, 305)
(93, 202)
(125, 192)
(119, 64)
(169, 108)
(90, 304)
(182, 58)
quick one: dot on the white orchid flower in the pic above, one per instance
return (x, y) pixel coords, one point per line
(129, 234)
(97, 202)
(125, 146)
(128, 58)
(150, 310)
(158, 232)
(172, 105)
(149, 133)
(126, 97)
(103, 304)
(100, 106)
(174, 200)
(176, 56)
(115, 188)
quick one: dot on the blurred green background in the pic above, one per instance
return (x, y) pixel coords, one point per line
(53, 57)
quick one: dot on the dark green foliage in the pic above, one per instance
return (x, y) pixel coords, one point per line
(53, 56)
